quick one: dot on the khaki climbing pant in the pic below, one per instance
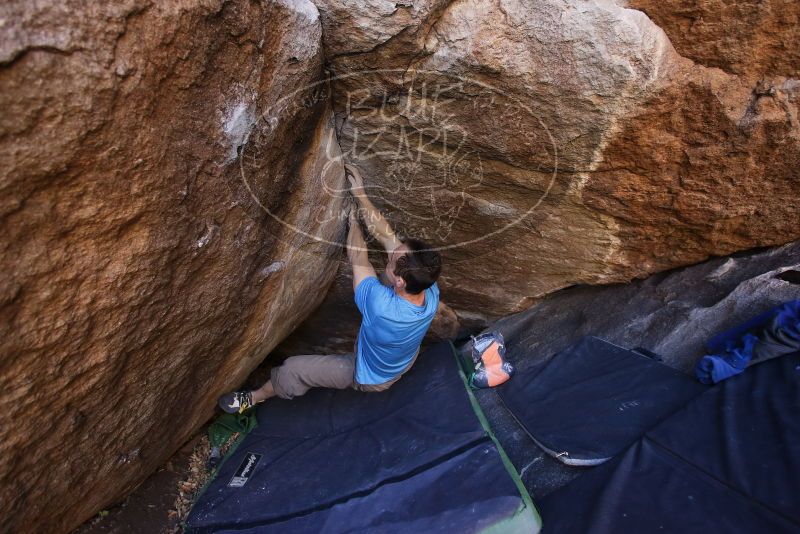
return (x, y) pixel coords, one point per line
(298, 374)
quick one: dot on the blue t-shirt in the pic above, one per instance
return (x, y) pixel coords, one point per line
(392, 329)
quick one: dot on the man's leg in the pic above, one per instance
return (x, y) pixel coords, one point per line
(263, 393)
(298, 374)
(295, 377)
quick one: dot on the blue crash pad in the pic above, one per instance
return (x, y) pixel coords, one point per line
(727, 462)
(415, 458)
(594, 399)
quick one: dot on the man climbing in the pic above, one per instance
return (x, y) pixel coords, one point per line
(395, 317)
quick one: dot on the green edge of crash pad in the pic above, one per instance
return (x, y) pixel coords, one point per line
(467, 366)
(526, 518)
(224, 426)
(228, 455)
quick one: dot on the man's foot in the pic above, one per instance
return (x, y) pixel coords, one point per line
(236, 402)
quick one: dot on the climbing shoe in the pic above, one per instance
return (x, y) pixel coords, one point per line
(236, 402)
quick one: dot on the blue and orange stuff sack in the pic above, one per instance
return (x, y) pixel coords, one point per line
(489, 358)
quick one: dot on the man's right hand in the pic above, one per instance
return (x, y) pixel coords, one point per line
(377, 223)
(355, 179)
(357, 252)
(355, 239)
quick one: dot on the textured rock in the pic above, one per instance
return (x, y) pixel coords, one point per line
(748, 37)
(672, 314)
(141, 276)
(726, 157)
(573, 132)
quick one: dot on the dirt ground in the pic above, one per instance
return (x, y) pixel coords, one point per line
(162, 502)
(151, 508)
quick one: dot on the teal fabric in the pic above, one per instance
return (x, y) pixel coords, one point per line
(391, 330)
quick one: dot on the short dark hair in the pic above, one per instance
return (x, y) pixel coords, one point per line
(419, 267)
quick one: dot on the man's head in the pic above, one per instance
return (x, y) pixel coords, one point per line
(413, 267)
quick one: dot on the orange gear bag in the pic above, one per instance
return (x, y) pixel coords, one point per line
(489, 359)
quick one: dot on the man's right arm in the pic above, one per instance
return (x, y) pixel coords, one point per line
(376, 222)
(357, 253)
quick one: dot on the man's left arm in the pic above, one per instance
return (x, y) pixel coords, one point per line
(357, 252)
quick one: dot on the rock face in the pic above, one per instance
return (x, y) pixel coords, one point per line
(753, 38)
(546, 143)
(144, 147)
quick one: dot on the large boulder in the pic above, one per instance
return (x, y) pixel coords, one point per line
(546, 143)
(163, 227)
